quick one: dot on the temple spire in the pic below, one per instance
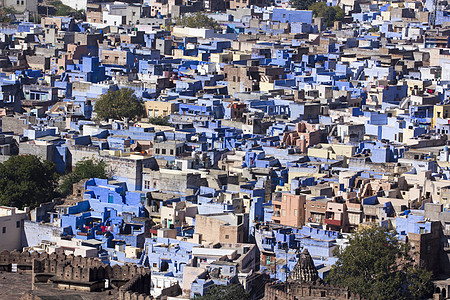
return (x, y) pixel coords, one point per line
(304, 270)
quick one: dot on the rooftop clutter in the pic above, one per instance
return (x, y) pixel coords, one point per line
(266, 136)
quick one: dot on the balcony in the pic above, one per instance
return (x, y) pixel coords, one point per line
(333, 222)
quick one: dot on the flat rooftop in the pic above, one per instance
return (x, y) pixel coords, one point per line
(22, 285)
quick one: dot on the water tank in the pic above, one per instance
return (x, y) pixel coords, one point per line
(444, 155)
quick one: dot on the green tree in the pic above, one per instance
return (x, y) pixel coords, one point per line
(84, 169)
(329, 13)
(197, 20)
(79, 14)
(225, 292)
(318, 9)
(25, 180)
(340, 14)
(5, 14)
(119, 105)
(62, 9)
(164, 121)
(301, 4)
(377, 265)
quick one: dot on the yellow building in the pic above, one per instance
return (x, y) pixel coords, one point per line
(155, 109)
(266, 86)
(440, 112)
(230, 56)
(221, 57)
(332, 151)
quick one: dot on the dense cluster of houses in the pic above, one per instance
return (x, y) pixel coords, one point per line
(280, 134)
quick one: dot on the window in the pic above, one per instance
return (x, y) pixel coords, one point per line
(226, 236)
(283, 212)
(17, 224)
(110, 199)
(447, 227)
(4, 230)
(171, 151)
(295, 212)
(163, 151)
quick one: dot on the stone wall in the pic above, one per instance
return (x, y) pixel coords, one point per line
(294, 291)
(79, 273)
(16, 124)
(137, 288)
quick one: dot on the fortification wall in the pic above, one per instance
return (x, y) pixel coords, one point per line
(296, 290)
(138, 288)
(79, 273)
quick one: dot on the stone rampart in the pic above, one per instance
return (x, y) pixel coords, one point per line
(79, 273)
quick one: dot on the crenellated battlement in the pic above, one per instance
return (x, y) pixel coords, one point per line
(78, 273)
(294, 290)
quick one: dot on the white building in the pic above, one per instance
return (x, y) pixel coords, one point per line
(76, 4)
(11, 227)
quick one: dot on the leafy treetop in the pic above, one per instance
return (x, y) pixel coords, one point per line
(329, 13)
(84, 169)
(62, 9)
(301, 4)
(163, 121)
(225, 292)
(119, 105)
(376, 265)
(25, 180)
(320, 9)
(197, 20)
(5, 14)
